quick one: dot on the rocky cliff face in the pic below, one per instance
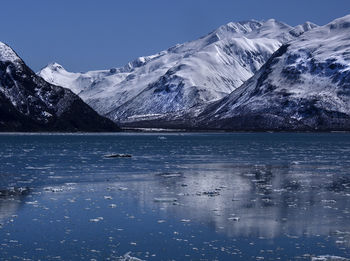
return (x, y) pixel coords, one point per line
(29, 103)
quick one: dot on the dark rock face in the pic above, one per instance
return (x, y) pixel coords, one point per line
(28, 103)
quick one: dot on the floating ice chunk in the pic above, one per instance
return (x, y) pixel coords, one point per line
(118, 156)
(98, 219)
(338, 232)
(107, 197)
(332, 201)
(329, 258)
(112, 205)
(279, 190)
(165, 199)
(340, 242)
(128, 257)
(71, 184)
(211, 193)
(53, 189)
(185, 220)
(170, 175)
(32, 202)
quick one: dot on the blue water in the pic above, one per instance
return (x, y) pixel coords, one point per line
(182, 196)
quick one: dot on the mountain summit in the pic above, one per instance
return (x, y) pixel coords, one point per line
(305, 85)
(184, 76)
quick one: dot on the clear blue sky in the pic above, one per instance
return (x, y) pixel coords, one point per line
(84, 35)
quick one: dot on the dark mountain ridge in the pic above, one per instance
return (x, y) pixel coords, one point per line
(29, 103)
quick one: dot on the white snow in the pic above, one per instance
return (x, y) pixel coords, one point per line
(181, 77)
(7, 54)
(318, 63)
(54, 73)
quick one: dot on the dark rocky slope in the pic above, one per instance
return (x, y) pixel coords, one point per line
(29, 103)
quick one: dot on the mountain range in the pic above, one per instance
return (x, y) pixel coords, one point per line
(305, 85)
(250, 75)
(182, 77)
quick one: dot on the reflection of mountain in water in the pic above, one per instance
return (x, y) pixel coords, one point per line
(261, 201)
(10, 201)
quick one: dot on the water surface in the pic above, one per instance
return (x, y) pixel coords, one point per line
(182, 196)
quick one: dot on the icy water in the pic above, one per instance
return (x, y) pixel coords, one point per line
(215, 196)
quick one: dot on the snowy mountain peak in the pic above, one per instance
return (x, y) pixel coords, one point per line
(342, 23)
(242, 27)
(254, 29)
(7, 54)
(183, 76)
(303, 86)
(54, 66)
(271, 29)
(302, 28)
(274, 25)
(309, 25)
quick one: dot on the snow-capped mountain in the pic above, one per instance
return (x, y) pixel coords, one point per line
(184, 76)
(305, 85)
(29, 103)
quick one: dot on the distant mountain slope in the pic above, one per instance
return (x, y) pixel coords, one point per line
(305, 85)
(184, 76)
(28, 103)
